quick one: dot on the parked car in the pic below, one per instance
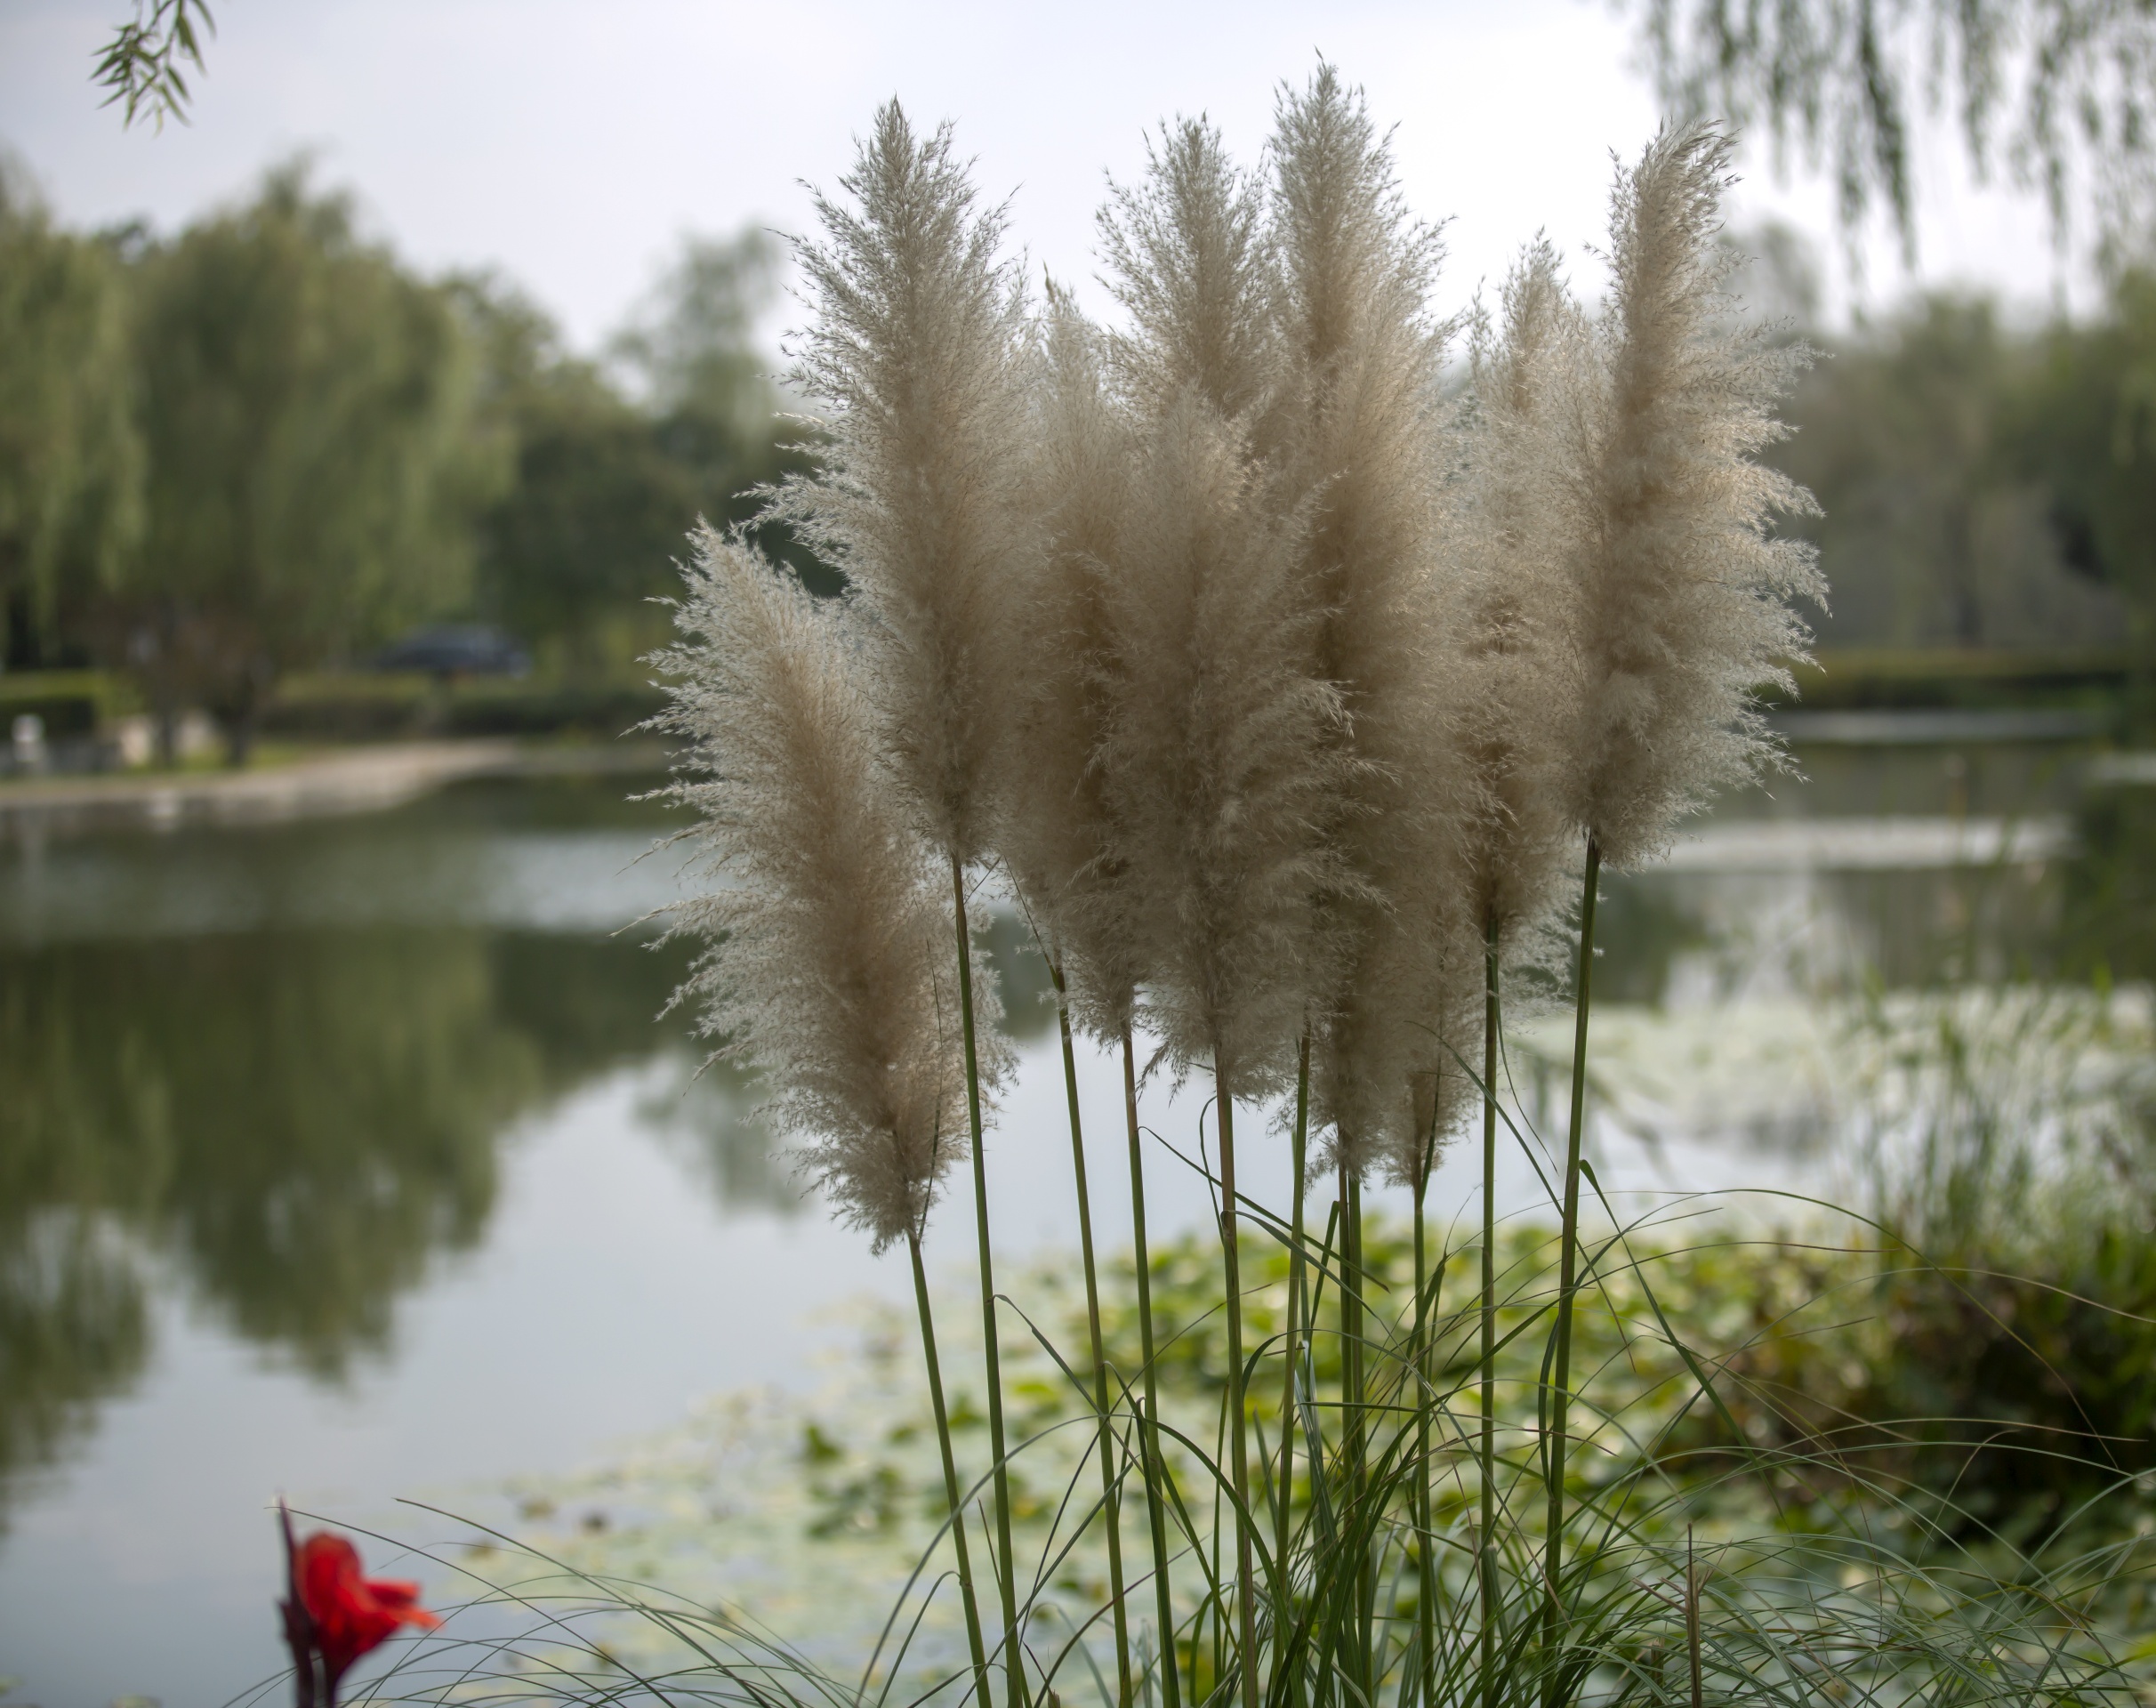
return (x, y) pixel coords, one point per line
(456, 649)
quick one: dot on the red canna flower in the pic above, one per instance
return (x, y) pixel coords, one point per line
(334, 1615)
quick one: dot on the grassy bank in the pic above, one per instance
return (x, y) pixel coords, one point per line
(371, 705)
(357, 705)
(1927, 679)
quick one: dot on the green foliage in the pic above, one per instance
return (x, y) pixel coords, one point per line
(74, 1331)
(2110, 915)
(266, 446)
(1845, 78)
(70, 454)
(692, 347)
(1989, 1348)
(308, 411)
(1768, 1567)
(1931, 532)
(576, 551)
(594, 520)
(141, 63)
(2087, 427)
(1983, 488)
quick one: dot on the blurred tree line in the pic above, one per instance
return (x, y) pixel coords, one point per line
(264, 445)
(1980, 484)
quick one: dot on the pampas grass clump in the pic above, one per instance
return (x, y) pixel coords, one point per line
(1283, 688)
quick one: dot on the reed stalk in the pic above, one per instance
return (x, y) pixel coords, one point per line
(952, 1499)
(1246, 1590)
(1487, 1554)
(1291, 1336)
(1691, 1622)
(1149, 1433)
(1006, 1564)
(1426, 1590)
(1110, 1500)
(1568, 1281)
(1355, 1425)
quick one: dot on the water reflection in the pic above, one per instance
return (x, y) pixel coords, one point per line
(1821, 928)
(74, 1331)
(299, 1122)
(1707, 937)
(708, 1112)
(299, 1125)
(275, 1071)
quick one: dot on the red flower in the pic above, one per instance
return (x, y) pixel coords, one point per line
(340, 1616)
(352, 1613)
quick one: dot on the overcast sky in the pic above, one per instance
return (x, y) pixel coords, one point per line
(568, 143)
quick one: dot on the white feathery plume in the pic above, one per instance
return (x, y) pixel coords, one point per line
(1508, 670)
(1218, 753)
(1057, 834)
(1684, 593)
(827, 939)
(1359, 439)
(917, 354)
(1518, 664)
(1188, 261)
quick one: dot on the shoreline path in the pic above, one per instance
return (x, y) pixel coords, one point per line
(362, 779)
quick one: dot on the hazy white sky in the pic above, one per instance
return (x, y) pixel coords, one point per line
(568, 141)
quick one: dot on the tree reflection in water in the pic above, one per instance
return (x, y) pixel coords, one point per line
(74, 1330)
(298, 1125)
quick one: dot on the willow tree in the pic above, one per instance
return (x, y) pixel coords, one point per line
(2059, 91)
(315, 457)
(70, 459)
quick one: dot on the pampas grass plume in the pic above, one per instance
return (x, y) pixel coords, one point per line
(827, 933)
(1685, 592)
(1361, 443)
(917, 353)
(1188, 261)
(1057, 835)
(1519, 665)
(1217, 751)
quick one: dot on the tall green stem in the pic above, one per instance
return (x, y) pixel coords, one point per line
(1157, 1470)
(950, 1470)
(1246, 1590)
(1486, 1555)
(1568, 1280)
(1006, 1574)
(1111, 1502)
(1291, 1342)
(1426, 1588)
(1354, 1394)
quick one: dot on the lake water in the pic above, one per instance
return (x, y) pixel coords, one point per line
(351, 1160)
